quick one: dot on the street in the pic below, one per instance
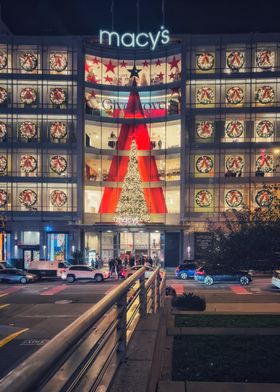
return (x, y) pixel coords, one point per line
(30, 315)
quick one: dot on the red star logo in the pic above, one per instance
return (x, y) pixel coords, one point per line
(158, 62)
(123, 64)
(92, 94)
(92, 79)
(145, 64)
(171, 76)
(160, 76)
(174, 63)
(110, 67)
(108, 79)
(96, 61)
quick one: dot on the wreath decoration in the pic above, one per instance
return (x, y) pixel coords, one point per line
(264, 163)
(3, 60)
(28, 163)
(205, 61)
(3, 163)
(58, 164)
(28, 95)
(235, 95)
(234, 129)
(235, 60)
(91, 100)
(265, 94)
(205, 129)
(265, 59)
(203, 198)
(28, 197)
(265, 128)
(3, 129)
(204, 164)
(235, 164)
(58, 198)
(3, 198)
(205, 95)
(58, 96)
(3, 95)
(58, 62)
(28, 61)
(58, 130)
(28, 130)
(234, 198)
(264, 198)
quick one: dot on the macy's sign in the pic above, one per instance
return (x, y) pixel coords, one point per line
(132, 40)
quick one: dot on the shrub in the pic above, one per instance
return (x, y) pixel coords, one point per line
(189, 302)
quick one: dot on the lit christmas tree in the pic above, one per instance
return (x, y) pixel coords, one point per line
(132, 207)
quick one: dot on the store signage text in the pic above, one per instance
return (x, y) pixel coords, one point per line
(110, 104)
(132, 40)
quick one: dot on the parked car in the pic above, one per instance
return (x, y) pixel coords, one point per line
(148, 272)
(16, 276)
(186, 270)
(211, 275)
(83, 272)
(276, 279)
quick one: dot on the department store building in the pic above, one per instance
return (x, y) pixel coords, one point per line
(202, 111)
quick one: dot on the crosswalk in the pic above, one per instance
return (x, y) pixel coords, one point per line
(235, 289)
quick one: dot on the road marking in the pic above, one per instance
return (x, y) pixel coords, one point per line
(34, 342)
(9, 290)
(12, 336)
(3, 294)
(239, 290)
(54, 290)
(4, 306)
(179, 288)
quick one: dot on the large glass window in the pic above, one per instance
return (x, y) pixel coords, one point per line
(57, 246)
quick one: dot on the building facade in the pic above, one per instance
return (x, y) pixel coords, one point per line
(88, 132)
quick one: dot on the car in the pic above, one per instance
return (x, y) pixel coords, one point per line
(276, 278)
(83, 272)
(186, 270)
(16, 276)
(210, 275)
(148, 272)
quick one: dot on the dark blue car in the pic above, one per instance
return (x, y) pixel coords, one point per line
(210, 275)
(185, 270)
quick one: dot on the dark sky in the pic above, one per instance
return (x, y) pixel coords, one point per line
(86, 17)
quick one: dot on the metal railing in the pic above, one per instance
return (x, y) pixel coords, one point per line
(85, 356)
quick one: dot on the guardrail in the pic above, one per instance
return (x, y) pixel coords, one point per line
(85, 355)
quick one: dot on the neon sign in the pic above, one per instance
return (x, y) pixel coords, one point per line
(132, 40)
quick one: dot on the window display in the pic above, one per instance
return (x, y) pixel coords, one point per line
(265, 95)
(235, 60)
(264, 163)
(28, 61)
(205, 61)
(205, 129)
(58, 130)
(28, 197)
(57, 246)
(203, 198)
(264, 198)
(28, 163)
(3, 95)
(3, 130)
(264, 129)
(118, 72)
(28, 130)
(234, 95)
(58, 96)
(265, 59)
(3, 164)
(28, 96)
(3, 60)
(58, 164)
(234, 165)
(234, 198)
(58, 61)
(205, 95)
(234, 129)
(58, 198)
(204, 164)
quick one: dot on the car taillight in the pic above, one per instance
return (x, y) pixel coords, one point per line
(177, 269)
(199, 272)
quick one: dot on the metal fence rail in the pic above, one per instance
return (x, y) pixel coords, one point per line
(85, 356)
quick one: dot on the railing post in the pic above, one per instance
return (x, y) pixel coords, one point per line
(154, 305)
(122, 312)
(143, 296)
(158, 290)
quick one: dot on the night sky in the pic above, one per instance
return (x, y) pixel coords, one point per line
(86, 17)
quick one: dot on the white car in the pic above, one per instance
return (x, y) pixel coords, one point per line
(83, 272)
(276, 279)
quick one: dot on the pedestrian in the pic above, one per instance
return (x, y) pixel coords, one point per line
(150, 261)
(111, 267)
(159, 144)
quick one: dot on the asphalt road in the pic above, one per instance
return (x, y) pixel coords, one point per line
(30, 315)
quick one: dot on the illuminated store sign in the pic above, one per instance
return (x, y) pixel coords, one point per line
(132, 40)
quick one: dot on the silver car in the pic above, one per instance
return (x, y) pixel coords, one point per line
(16, 276)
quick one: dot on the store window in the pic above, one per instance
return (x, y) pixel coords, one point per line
(30, 238)
(57, 246)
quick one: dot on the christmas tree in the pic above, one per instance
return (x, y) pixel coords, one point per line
(132, 208)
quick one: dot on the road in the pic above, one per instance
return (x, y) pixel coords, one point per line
(30, 315)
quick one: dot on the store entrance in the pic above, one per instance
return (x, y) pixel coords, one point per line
(30, 254)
